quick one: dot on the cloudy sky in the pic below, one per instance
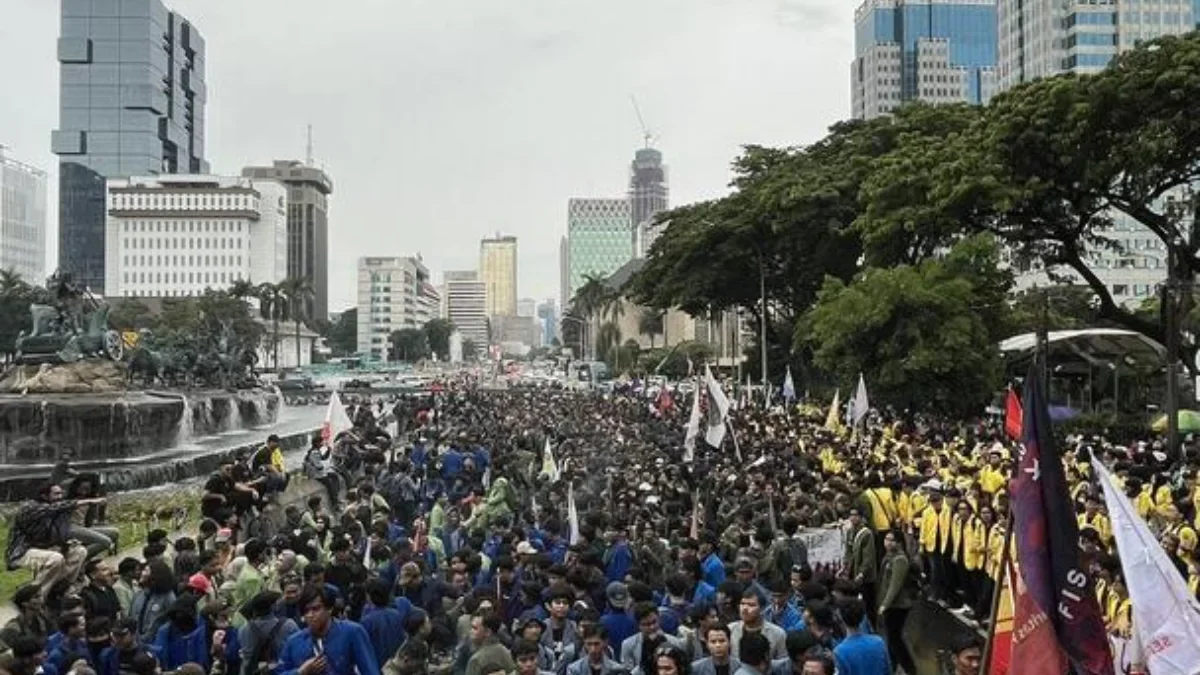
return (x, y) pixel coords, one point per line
(442, 121)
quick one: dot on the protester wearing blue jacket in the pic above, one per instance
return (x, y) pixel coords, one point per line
(183, 639)
(382, 621)
(328, 646)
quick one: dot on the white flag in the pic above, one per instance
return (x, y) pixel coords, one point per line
(336, 419)
(693, 427)
(718, 409)
(789, 387)
(861, 405)
(549, 466)
(1165, 613)
(572, 514)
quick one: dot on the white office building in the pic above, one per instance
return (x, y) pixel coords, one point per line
(393, 294)
(178, 235)
(466, 305)
(23, 220)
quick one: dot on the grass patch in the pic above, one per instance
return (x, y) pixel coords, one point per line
(134, 514)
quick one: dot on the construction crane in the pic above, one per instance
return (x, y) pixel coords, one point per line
(646, 134)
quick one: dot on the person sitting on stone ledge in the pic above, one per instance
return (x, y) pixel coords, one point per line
(42, 538)
(87, 524)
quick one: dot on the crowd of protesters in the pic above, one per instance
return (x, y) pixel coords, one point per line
(457, 548)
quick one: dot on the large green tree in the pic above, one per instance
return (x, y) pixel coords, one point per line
(408, 344)
(343, 338)
(437, 336)
(922, 335)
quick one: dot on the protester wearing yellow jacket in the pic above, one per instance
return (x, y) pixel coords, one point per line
(934, 532)
(1092, 517)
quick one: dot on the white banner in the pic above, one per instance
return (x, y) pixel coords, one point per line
(826, 545)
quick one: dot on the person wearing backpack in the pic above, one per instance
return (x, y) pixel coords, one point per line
(897, 592)
(263, 635)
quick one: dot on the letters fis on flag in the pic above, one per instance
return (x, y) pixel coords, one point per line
(1047, 541)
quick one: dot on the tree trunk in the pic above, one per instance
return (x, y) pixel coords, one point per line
(275, 345)
(298, 362)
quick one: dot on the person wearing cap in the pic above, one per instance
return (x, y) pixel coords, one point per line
(616, 618)
(119, 656)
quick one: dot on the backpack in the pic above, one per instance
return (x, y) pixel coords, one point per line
(264, 652)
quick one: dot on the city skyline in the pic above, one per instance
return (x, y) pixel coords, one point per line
(693, 93)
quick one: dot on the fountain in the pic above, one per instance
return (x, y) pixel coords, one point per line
(73, 390)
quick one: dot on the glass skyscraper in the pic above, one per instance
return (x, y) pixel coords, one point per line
(599, 239)
(938, 51)
(131, 103)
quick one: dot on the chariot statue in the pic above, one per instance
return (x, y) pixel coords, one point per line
(72, 327)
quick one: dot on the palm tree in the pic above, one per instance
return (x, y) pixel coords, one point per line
(591, 301)
(298, 292)
(273, 306)
(608, 341)
(651, 322)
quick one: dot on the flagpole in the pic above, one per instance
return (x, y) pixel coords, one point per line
(1005, 556)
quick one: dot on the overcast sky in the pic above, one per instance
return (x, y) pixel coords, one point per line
(442, 121)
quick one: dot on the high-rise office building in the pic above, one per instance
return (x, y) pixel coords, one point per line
(308, 225)
(172, 236)
(22, 220)
(466, 305)
(498, 271)
(547, 314)
(131, 103)
(390, 292)
(564, 273)
(599, 239)
(937, 51)
(1040, 38)
(647, 196)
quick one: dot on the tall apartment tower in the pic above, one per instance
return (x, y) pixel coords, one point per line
(308, 225)
(1040, 38)
(648, 195)
(131, 103)
(937, 51)
(22, 220)
(498, 270)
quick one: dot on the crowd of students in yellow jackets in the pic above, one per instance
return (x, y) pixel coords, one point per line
(953, 508)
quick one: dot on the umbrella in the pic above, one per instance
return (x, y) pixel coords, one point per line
(1189, 422)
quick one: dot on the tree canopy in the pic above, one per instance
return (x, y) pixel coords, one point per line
(881, 221)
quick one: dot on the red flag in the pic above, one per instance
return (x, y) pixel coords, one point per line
(1013, 416)
(665, 402)
(1047, 537)
(1030, 647)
